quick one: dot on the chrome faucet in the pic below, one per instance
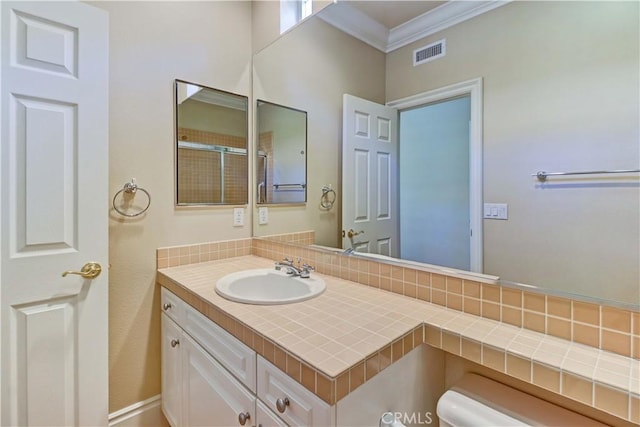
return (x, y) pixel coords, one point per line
(347, 251)
(303, 271)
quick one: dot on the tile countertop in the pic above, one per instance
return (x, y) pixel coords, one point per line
(343, 327)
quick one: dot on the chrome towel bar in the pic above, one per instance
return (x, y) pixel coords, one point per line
(277, 186)
(542, 175)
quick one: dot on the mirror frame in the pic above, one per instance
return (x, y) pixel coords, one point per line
(176, 140)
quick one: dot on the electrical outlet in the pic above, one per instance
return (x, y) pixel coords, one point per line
(263, 215)
(238, 217)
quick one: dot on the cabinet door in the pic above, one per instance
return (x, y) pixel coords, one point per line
(266, 418)
(171, 371)
(211, 396)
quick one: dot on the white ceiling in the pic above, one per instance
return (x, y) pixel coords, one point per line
(393, 13)
(388, 25)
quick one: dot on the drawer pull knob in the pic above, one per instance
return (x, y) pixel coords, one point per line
(282, 404)
(243, 417)
(167, 306)
(175, 343)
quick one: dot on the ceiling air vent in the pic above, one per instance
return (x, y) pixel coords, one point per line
(429, 52)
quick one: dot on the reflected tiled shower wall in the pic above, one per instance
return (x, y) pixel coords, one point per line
(200, 171)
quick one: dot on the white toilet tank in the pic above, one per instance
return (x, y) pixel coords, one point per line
(479, 401)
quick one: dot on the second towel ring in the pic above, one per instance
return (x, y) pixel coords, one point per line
(131, 188)
(326, 200)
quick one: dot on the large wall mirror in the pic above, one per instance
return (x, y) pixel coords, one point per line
(569, 104)
(281, 163)
(211, 146)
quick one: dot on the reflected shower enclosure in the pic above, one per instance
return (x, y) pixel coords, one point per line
(211, 146)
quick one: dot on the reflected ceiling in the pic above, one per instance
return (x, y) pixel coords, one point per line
(392, 14)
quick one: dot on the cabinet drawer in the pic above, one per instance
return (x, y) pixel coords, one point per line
(304, 408)
(266, 418)
(172, 306)
(239, 359)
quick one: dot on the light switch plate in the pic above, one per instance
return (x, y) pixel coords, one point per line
(496, 211)
(238, 217)
(263, 215)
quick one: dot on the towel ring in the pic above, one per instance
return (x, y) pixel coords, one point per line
(326, 201)
(131, 188)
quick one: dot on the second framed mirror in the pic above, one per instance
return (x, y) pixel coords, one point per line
(281, 163)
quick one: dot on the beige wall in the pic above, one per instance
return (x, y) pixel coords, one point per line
(265, 23)
(213, 118)
(310, 68)
(152, 43)
(560, 94)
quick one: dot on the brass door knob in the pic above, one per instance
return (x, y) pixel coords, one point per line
(352, 233)
(90, 270)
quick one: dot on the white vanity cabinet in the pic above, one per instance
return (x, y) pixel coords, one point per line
(197, 390)
(211, 378)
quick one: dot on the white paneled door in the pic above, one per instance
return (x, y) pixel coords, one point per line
(54, 211)
(370, 177)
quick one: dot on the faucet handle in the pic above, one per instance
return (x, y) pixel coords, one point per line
(306, 269)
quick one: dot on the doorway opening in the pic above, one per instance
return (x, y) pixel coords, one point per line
(434, 183)
(468, 92)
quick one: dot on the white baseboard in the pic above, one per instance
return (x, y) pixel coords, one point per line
(140, 414)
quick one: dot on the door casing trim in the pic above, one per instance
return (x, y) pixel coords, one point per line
(473, 88)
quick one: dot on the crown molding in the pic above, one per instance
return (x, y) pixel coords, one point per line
(227, 100)
(438, 19)
(355, 23)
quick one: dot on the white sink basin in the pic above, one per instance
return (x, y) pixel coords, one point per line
(268, 286)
